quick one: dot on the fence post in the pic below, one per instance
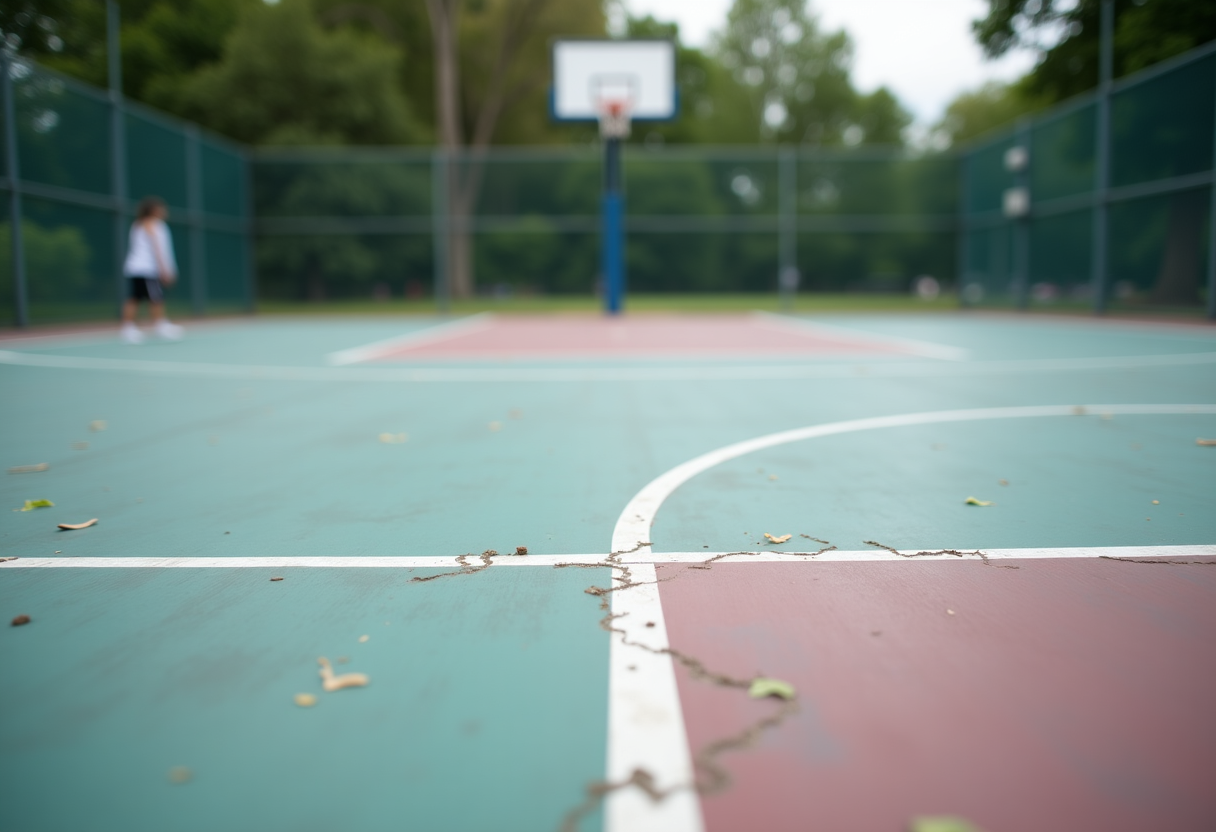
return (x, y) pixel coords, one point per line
(1099, 277)
(963, 228)
(251, 269)
(194, 202)
(1021, 224)
(21, 312)
(118, 147)
(1212, 230)
(788, 277)
(439, 226)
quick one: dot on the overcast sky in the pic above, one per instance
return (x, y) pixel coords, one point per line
(923, 50)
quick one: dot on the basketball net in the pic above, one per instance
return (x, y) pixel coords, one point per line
(614, 118)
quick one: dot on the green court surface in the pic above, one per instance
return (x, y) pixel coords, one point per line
(490, 695)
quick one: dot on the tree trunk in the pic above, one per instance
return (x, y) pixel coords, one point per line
(1178, 276)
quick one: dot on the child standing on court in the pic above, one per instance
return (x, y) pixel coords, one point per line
(149, 267)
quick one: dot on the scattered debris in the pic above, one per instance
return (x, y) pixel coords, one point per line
(762, 687)
(30, 505)
(80, 446)
(75, 526)
(305, 700)
(515, 413)
(276, 579)
(772, 477)
(495, 426)
(1169, 562)
(180, 774)
(1210, 443)
(98, 425)
(29, 469)
(973, 501)
(1156, 502)
(330, 682)
(1002, 482)
(393, 438)
(949, 612)
(521, 550)
(1079, 410)
(780, 539)
(364, 639)
(942, 824)
(20, 620)
(213, 440)
(1106, 417)
(875, 632)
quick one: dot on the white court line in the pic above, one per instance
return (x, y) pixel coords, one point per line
(763, 556)
(914, 346)
(429, 335)
(742, 372)
(633, 525)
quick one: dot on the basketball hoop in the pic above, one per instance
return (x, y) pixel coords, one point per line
(614, 118)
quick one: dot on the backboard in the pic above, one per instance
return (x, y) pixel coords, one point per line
(592, 76)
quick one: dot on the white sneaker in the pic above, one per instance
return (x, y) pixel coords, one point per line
(131, 335)
(169, 331)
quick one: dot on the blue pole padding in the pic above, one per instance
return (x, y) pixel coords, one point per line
(613, 253)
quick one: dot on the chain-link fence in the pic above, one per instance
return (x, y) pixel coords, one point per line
(82, 159)
(1044, 223)
(1027, 217)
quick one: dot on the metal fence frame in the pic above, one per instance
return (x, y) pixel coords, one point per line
(785, 222)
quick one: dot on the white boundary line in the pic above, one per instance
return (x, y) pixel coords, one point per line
(925, 349)
(634, 523)
(449, 562)
(428, 335)
(512, 375)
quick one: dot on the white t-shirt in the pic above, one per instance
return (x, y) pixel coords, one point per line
(141, 257)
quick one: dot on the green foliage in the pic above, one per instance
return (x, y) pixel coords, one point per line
(285, 80)
(56, 261)
(1146, 31)
(979, 111)
(796, 78)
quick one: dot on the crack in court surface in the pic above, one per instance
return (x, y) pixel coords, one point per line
(938, 552)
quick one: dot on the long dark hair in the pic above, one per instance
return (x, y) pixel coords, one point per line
(148, 206)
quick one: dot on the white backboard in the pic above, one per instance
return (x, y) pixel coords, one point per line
(585, 71)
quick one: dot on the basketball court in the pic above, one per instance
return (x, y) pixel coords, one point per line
(1041, 662)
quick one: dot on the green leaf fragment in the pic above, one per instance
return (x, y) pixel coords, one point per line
(762, 687)
(942, 824)
(30, 505)
(972, 501)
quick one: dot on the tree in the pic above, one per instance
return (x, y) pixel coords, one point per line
(797, 78)
(1146, 31)
(1067, 34)
(489, 60)
(974, 113)
(285, 80)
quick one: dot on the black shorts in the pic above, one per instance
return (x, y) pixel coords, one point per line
(145, 288)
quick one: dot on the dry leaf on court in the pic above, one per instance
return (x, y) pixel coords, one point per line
(393, 438)
(29, 469)
(74, 526)
(305, 700)
(1207, 442)
(330, 682)
(98, 425)
(363, 639)
(780, 539)
(972, 501)
(30, 505)
(21, 620)
(763, 686)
